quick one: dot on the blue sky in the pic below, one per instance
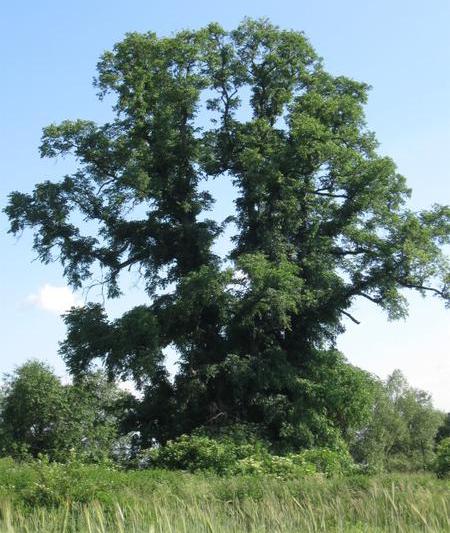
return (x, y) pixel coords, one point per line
(402, 48)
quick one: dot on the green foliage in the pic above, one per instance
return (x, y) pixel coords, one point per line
(193, 453)
(401, 434)
(237, 433)
(33, 405)
(42, 417)
(42, 497)
(442, 461)
(330, 462)
(320, 220)
(281, 467)
(41, 483)
(225, 457)
(444, 429)
(131, 342)
(268, 291)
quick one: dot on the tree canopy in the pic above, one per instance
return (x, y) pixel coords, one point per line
(321, 218)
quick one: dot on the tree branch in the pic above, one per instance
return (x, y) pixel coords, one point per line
(318, 192)
(423, 288)
(353, 319)
(356, 251)
(364, 295)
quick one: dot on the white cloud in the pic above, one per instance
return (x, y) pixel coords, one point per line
(54, 299)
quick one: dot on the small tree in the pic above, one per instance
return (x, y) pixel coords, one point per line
(93, 423)
(39, 415)
(402, 430)
(34, 405)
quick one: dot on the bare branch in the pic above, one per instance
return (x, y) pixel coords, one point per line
(364, 295)
(423, 288)
(353, 319)
(318, 192)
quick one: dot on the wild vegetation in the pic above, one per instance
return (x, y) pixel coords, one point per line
(90, 420)
(266, 419)
(41, 497)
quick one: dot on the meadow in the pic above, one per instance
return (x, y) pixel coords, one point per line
(42, 497)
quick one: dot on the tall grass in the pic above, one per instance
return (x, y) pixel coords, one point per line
(146, 501)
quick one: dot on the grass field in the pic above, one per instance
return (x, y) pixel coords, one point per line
(56, 498)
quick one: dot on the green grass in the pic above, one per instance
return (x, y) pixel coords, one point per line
(78, 498)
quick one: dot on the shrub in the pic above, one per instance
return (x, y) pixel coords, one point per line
(281, 467)
(194, 453)
(197, 453)
(442, 461)
(43, 483)
(329, 462)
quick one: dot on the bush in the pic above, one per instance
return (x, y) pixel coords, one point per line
(281, 467)
(329, 462)
(322, 461)
(197, 453)
(43, 483)
(442, 461)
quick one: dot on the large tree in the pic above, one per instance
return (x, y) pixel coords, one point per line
(320, 220)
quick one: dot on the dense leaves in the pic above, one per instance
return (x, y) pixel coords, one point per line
(223, 456)
(401, 433)
(321, 219)
(442, 462)
(41, 416)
